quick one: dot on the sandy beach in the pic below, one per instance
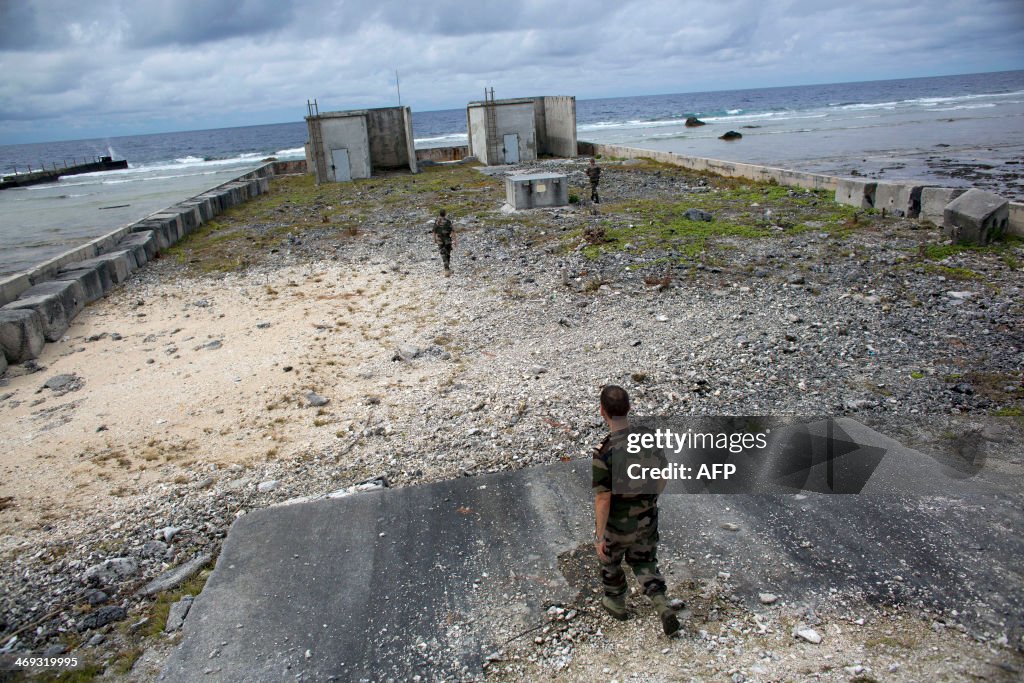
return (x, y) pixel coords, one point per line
(307, 342)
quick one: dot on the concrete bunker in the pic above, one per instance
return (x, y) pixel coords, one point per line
(344, 145)
(537, 190)
(516, 130)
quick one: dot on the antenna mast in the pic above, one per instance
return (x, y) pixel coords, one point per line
(398, 87)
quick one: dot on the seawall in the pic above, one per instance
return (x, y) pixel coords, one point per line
(735, 169)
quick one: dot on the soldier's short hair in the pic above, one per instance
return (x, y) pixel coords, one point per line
(614, 400)
(443, 212)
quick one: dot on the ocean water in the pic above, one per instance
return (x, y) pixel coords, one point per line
(951, 130)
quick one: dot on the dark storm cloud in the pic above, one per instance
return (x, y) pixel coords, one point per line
(131, 65)
(191, 22)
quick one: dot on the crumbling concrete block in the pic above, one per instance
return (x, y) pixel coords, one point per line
(189, 216)
(976, 217)
(21, 334)
(858, 193)
(119, 264)
(95, 280)
(934, 200)
(898, 199)
(143, 244)
(57, 302)
(3, 363)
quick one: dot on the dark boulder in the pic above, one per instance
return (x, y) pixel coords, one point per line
(693, 122)
(731, 135)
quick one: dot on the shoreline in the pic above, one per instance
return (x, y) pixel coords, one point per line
(193, 379)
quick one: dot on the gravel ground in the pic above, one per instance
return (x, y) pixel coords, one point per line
(495, 368)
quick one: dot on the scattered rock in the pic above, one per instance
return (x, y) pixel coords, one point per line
(175, 577)
(268, 486)
(730, 135)
(810, 635)
(767, 598)
(698, 215)
(316, 400)
(693, 122)
(101, 617)
(110, 571)
(176, 615)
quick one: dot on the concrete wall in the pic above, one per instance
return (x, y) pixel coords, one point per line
(410, 141)
(559, 126)
(511, 117)
(540, 125)
(734, 169)
(442, 154)
(388, 140)
(477, 128)
(41, 303)
(343, 130)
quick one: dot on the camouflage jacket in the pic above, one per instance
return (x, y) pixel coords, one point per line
(443, 229)
(626, 508)
(594, 173)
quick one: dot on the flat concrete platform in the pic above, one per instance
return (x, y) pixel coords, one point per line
(429, 580)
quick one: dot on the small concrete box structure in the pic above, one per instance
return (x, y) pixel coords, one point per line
(536, 190)
(353, 144)
(516, 130)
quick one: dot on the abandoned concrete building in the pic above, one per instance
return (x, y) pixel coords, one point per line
(516, 130)
(344, 145)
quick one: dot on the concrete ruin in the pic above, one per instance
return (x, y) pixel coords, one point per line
(344, 145)
(976, 217)
(536, 190)
(517, 130)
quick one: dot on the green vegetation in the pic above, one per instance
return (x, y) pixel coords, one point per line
(295, 205)
(1003, 248)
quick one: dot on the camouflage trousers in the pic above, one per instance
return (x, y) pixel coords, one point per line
(445, 247)
(636, 542)
(593, 193)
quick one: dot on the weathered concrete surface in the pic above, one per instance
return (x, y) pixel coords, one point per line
(428, 580)
(21, 334)
(57, 302)
(119, 264)
(976, 217)
(858, 193)
(95, 279)
(899, 199)
(177, 576)
(934, 201)
(142, 244)
(3, 363)
(535, 190)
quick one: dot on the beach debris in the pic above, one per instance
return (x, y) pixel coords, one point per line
(730, 135)
(62, 384)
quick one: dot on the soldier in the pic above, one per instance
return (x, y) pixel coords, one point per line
(594, 173)
(626, 525)
(443, 237)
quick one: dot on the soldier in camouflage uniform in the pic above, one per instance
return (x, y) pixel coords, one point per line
(443, 237)
(626, 524)
(594, 174)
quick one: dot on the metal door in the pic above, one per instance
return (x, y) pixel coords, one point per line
(339, 165)
(512, 149)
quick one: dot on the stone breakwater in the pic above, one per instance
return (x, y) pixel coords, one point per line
(39, 305)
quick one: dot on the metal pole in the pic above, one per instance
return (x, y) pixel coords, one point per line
(398, 87)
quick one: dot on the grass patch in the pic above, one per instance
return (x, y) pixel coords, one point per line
(952, 273)
(1003, 248)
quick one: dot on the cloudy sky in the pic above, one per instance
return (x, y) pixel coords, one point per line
(81, 68)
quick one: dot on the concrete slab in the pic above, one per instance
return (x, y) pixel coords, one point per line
(57, 302)
(119, 264)
(143, 244)
(934, 201)
(858, 193)
(3, 364)
(899, 199)
(21, 334)
(976, 217)
(428, 580)
(95, 280)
